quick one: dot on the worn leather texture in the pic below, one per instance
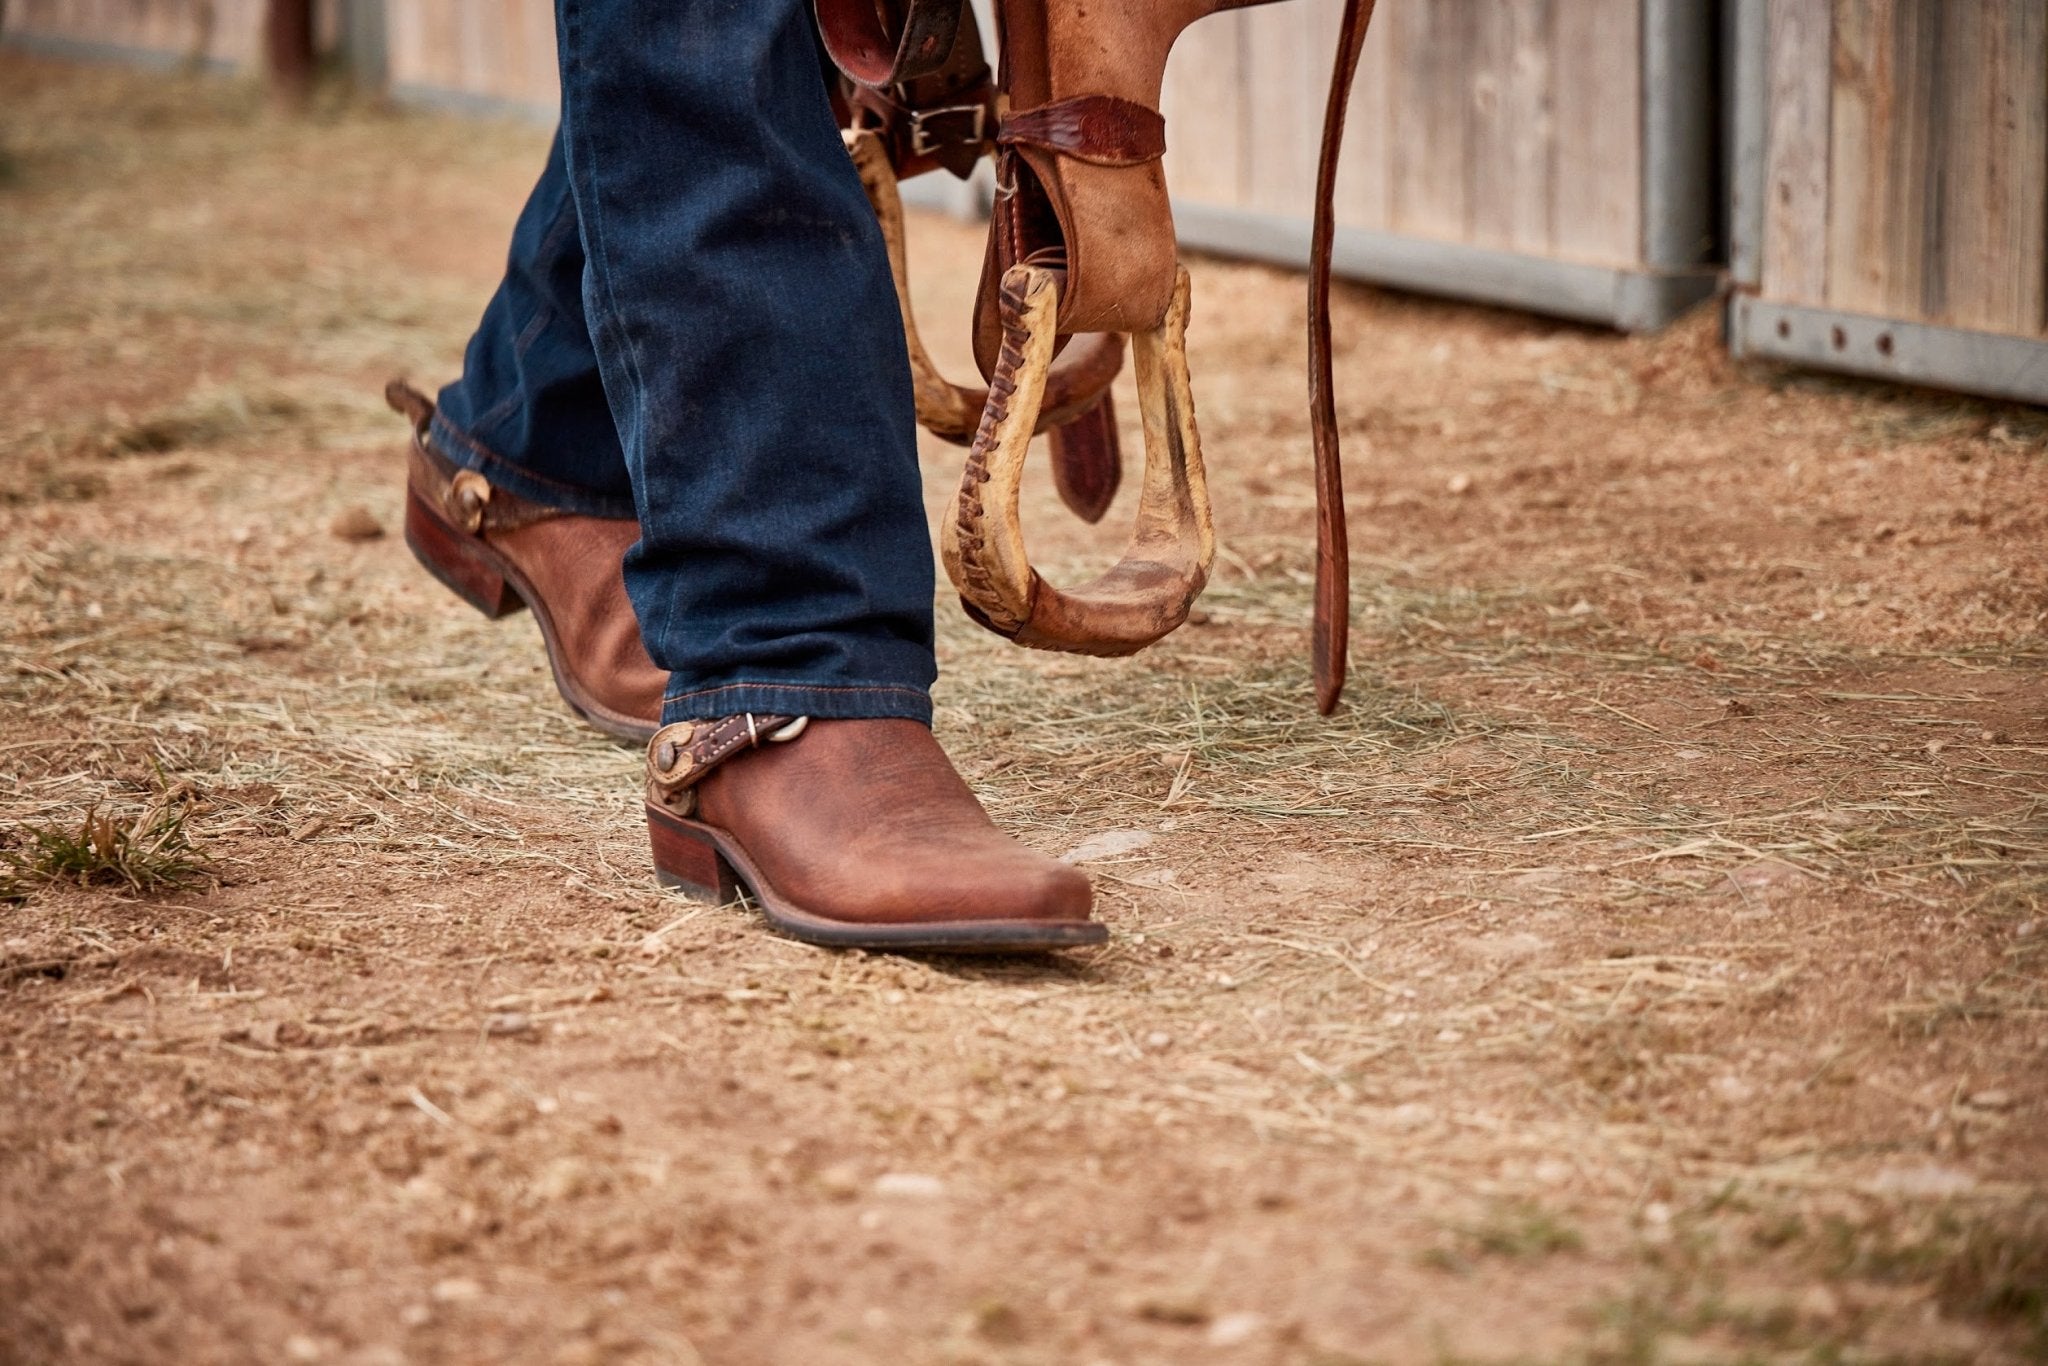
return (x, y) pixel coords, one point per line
(1100, 129)
(683, 754)
(567, 567)
(895, 41)
(868, 822)
(1087, 468)
(574, 564)
(1080, 195)
(942, 118)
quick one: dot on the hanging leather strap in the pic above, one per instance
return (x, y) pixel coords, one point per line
(1330, 635)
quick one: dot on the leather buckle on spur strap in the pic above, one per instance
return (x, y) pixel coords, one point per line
(682, 755)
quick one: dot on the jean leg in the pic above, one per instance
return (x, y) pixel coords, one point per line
(529, 411)
(740, 305)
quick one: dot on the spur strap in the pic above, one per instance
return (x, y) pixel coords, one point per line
(464, 497)
(685, 754)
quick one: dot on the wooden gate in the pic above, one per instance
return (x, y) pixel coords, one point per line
(1891, 210)
(217, 34)
(1557, 155)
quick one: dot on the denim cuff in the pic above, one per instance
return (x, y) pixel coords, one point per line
(827, 701)
(470, 454)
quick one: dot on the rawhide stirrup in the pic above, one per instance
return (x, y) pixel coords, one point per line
(1081, 242)
(943, 116)
(1148, 592)
(1078, 382)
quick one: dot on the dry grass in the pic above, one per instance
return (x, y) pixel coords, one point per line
(1639, 966)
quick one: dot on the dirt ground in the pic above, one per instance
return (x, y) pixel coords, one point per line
(1649, 963)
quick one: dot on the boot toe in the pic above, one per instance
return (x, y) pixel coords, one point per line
(1061, 892)
(1000, 885)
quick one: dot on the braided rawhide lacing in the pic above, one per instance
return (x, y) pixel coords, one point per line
(682, 755)
(978, 588)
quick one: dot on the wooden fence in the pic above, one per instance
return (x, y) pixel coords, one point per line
(208, 33)
(223, 32)
(1555, 154)
(482, 52)
(1892, 189)
(1887, 201)
(1552, 154)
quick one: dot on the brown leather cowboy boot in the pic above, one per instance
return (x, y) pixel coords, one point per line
(499, 553)
(852, 834)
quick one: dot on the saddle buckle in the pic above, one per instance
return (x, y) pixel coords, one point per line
(961, 125)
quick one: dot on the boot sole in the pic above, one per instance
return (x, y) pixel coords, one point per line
(704, 862)
(471, 570)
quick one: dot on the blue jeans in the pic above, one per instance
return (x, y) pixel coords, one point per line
(697, 328)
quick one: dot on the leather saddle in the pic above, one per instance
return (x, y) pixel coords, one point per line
(1081, 259)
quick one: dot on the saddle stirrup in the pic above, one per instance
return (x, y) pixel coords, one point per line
(1081, 242)
(1148, 592)
(949, 411)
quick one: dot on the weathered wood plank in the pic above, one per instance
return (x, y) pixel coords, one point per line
(1508, 199)
(542, 83)
(1862, 115)
(510, 80)
(1596, 209)
(405, 43)
(482, 46)
(1987, 270)
(1432, 137)
(1596, 184)
(1204, 102)
(1797, 150)
(443, 49)
(167, 27)
(1365, 167)
(1284, 108)
(1913, 157)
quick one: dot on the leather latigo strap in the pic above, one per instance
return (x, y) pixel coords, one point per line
(885, 42)
(1330, 633)
(684, 754)
(1102, 130)
(929, 119)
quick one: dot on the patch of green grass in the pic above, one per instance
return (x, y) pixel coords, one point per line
(1989, 1265)
(150, 852)
(1524, 1232)
(1628, 1329)
(1518, 1231)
